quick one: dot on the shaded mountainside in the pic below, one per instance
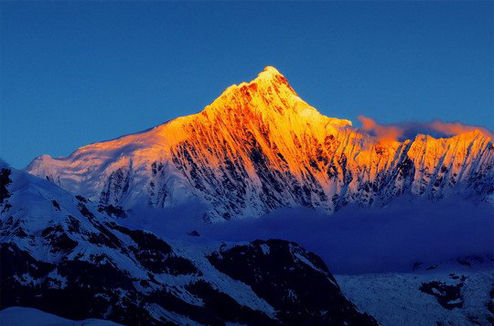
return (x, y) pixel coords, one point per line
(259, 147)
(58, 253)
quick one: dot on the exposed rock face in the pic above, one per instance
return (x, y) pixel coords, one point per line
(58, 253)
(448, 296)
(282, 272)
(259, 147)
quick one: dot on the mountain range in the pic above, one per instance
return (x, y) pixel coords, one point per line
(58, 253)
(259, 147)
(280, 194)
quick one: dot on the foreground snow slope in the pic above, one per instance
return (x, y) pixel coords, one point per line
(64, 255)
(454, 294)
(23, 316)
(259, 147)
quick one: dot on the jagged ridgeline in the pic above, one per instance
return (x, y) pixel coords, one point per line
(259, 147)
(60, 255)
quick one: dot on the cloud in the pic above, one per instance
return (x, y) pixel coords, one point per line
(382, 132)
(352, 240)
(408, 130)
(455, 128)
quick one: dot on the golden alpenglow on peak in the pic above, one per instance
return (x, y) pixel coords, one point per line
(267, 95)
(271, 69)
(271, 75)
(269, 72)
(259, 147)
(270, 80)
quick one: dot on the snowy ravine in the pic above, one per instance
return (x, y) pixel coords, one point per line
(63, 255)
(259, 147)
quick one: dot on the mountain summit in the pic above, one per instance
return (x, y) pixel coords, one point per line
(259, 147)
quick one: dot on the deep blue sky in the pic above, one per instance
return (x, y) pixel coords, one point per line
(80, 72)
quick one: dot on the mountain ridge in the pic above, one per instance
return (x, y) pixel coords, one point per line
(63, 254)
(258, 147)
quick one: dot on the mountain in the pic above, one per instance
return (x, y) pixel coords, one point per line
(64, 255)
(259, 147)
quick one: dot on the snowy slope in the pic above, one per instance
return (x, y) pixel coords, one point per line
(22, 316)
(58, 253)
(441, 294)
(259, 147)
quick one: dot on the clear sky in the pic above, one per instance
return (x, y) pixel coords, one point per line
(74, 73)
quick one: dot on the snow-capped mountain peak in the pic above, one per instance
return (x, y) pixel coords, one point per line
(258, 147)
